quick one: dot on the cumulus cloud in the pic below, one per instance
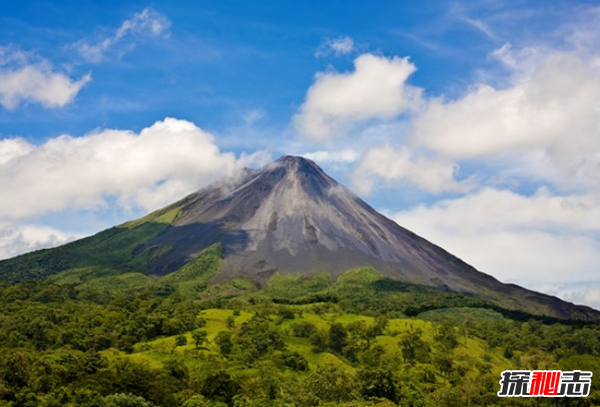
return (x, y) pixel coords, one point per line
(336, 46)
(376, 89)
(401, 165)
(560, 99)
(549, 111)
(539, 241)
(12, 148)
(27, 79)
(161, 164)
(541, 124)
(15, 240)
(147, 23)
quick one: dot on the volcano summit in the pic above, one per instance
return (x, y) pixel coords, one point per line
(288, 217)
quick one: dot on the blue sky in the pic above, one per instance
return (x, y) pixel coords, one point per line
(475, 124)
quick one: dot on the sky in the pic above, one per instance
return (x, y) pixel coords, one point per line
(475, 124)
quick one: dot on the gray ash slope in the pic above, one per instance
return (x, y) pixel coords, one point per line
(291, 217)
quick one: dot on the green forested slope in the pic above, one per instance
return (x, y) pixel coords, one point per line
(117, 250)
(298, 342)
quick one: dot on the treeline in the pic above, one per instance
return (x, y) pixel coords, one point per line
(45, 316)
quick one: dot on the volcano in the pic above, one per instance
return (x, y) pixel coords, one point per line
(292, 217)
(288, 217)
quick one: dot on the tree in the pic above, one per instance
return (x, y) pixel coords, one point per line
(379, 383)
(414, 349)
(330, 383)
(319, 340)
(444, 363)
(181, 340)
(257, 337)
(360, 334)
(224, 342)
(219, 386)
(380, 324)
(200, 322)
(303, 329)
(338, 337)
(410, 391)
(199, 336)
(294, 360)
(286, 313)
(446, 337)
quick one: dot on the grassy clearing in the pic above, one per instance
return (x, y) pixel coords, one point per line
(469, 351)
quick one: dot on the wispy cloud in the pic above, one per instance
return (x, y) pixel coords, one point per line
(147, 23)
(336, 46)
(482, 27)
(27, 78)
(461, 13)
(422, 41)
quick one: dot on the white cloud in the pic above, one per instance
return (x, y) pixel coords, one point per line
(591, 296)
(535, 240)
(148, 22)
(576, 293)
(24, 78)
(552, 110)
(13, 148)
(337, 46)
(332, 157)
(15, 240)
(376, 89)
(161, 164)
(401, 165)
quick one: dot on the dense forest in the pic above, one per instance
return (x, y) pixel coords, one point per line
(361, 341)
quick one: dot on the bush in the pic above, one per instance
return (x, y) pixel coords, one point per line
(303, 329)
(181, 340)
(295, 361)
